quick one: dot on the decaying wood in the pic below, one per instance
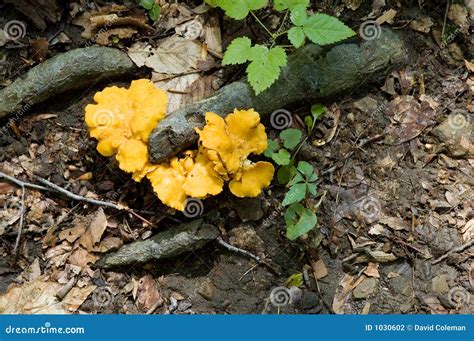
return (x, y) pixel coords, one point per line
(171, 243)
(312, 73)
(64, 72)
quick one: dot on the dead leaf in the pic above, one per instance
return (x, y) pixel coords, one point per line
(394, 223)
(340, 303)
(40, 49)
(434, 304)
(319, 269)
(91, 238)
(147, 293)
(372, 270)
(470, 67)
(458, 14)
(110, 243)
(82, 258)
(422, 25)
(468, 231)
(409, 118)
(39, 297)
(174, 55)
(382, 257)
(73, 233)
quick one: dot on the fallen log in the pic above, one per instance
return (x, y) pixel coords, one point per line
(312, 73)
(64, 72)
(171, 243)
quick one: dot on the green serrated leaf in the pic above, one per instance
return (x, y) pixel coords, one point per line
(239, 9)
(265, 67)
(296, 37)
(281, 5)
(299, 221)
(272, 147)
(285, 173)
(238, 52)
(324, 29)
(305, 168)
(213, 3)
(317, 110)
(282, 158)
(291, 137)
(147, 4)
(296, 193)
(155, 12)
(298, 15)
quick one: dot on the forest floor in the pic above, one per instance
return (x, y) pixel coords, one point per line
(395, 224)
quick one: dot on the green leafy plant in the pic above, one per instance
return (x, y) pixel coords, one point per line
(152, 8)
(266, 60)
(300, 179)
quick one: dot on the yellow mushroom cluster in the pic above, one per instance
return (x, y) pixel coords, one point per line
(223, 148)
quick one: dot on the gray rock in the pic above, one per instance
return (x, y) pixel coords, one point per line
(440, 284)
(366, 288)
(456, 133)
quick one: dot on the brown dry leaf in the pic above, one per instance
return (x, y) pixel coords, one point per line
(147, 293)
(40, 49)
(343, 291)
(174, 14)
(33, 272)
(91, 238)
(392, 274)
(58, 255)
(409, 118)
(82, 258)
(85, 176)
(352, 4)
(394, 223)
(372, 270)
(109, 243)
(387, 17)
(319, 269)
(174, 55)
(471, 275)
(468, 231)
(469, 66)
(73, 233)
(114, 20)
(39, 297)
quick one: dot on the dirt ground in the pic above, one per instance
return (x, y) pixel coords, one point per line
(395, 224)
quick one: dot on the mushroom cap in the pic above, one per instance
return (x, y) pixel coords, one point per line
(231, 140)
(202, 180)
(125, 115)
(253, 178)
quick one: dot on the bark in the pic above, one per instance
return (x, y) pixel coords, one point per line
(64, 72)
(171, 243)
(312, 73)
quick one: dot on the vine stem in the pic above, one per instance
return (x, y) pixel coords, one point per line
(262, 24)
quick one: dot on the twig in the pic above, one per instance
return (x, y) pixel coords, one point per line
(66, 289)
(452, 251)
(22, 219)
(235, 249)
(22, 183)
(79, 197)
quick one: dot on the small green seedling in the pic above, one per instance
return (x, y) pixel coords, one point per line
(152, 8)
(300, 179)
(266, 60)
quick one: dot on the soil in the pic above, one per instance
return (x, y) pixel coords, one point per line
(395, 207)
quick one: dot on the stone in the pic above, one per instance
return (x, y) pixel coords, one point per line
(206, 289)
(440, 284)
(366, 288)
(456, 133)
